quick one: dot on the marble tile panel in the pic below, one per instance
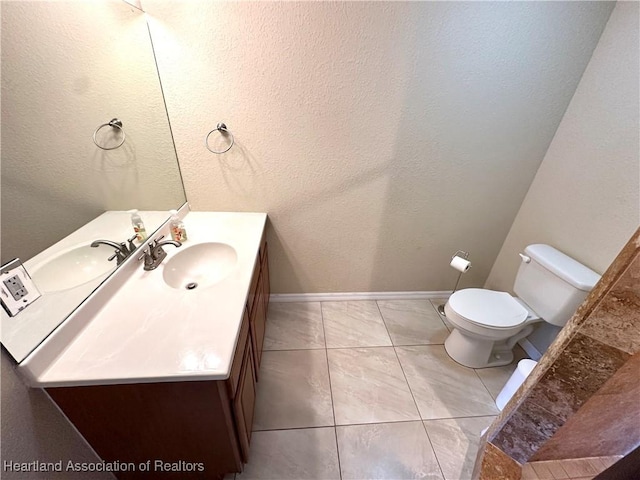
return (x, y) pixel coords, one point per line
(293, 390)
(368, 386)
(354, 324)
(495, 378)
(390, 451)
(579, 371)
(413, 322)
(614, 437)
(455, 442)
(307, 454)
(498, 465)
(292, 326)
(528, 428)
(443, 388)
(616, 320)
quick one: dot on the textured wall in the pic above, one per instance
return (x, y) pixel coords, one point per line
(68, 67)
(585, 199)
(34, 429)
(379, 136)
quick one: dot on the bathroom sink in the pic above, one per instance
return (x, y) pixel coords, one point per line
(71, 268)
(200, 265)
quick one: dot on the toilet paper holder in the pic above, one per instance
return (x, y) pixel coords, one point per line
(465, 256)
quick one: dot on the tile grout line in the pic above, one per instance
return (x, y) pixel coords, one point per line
(487, 388)
(440, 316)
(293, 349)
(412, 395)
(335, 426)
(426, 431)
(439, 419)
(356, 347)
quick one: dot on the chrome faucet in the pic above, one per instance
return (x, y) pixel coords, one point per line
(122, 250)
(156, 254)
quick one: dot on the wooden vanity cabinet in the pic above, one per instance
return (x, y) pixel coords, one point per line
(187, 425)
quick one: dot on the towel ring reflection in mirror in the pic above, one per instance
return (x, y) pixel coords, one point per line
(114, 123)
(222, 128)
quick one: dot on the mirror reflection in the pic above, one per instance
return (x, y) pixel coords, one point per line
(69, 68)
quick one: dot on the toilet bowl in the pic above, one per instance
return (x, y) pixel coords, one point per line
(487, 324)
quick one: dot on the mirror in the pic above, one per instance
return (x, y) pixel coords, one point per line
(67, 68)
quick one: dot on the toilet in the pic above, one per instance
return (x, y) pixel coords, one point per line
(487, 324)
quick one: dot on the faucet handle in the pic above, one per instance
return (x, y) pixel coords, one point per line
(119, 256)
(132, 246)
(148, 258)
(145, 253)
(157, 240)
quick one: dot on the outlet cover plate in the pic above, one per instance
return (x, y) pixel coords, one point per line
(17, 290)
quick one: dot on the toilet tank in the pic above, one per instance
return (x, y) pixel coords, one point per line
(552, 283)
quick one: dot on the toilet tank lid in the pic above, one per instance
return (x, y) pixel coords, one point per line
(565, 267)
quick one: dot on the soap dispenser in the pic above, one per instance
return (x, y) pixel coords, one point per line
(138, 225)
(178, 232)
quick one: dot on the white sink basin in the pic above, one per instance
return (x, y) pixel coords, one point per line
(72, 268)
(200, 265)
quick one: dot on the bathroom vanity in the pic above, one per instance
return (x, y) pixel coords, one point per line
(161, 379)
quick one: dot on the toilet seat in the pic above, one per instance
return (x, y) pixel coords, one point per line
(488, 308)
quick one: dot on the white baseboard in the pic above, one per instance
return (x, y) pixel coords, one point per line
(531, 350)
(346, 296)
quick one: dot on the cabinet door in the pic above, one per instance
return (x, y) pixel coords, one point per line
(238, 357)
(254, 291)
(258, 325)
(244, 402)
(266, 286)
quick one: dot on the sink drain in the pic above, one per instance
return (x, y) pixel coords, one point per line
(191, 285)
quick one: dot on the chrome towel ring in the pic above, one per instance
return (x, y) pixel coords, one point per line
(114, 123)
(222, 128)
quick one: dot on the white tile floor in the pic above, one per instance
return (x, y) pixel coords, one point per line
(364, 390)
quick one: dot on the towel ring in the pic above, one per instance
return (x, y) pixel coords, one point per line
(222, 128)
(114, 123)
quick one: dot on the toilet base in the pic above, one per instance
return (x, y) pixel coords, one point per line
(475, 352)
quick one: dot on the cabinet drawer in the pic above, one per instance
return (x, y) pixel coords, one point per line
(236, 366)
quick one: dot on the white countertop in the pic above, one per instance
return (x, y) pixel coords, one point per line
(22, 333)
(151, 332)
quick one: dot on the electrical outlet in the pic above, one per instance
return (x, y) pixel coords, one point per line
(17, 290)
(15, 287)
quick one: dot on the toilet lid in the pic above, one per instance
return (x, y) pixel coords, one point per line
(488, 307)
